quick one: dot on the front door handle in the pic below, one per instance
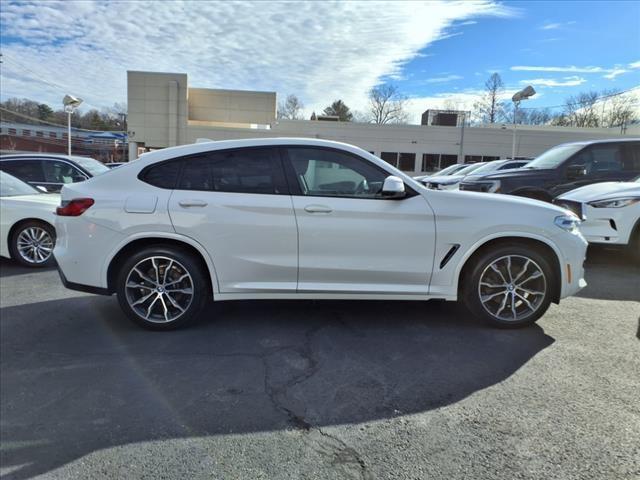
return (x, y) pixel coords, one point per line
(192, 203)
(318, 209)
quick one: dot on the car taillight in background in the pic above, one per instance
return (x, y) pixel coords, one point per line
(75, 207)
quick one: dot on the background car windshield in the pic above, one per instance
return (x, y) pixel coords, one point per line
(488, 167)
(93, 166)
(10, 186)
(470, 168)
(449, 170)
(554, 157)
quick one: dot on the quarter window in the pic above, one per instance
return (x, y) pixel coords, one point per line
(329, 173)
(163, 175)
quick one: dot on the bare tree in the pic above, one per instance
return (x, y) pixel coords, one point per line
(617, 109)
(387, 105)
(290, 109)
(489, 107)
(581, 110)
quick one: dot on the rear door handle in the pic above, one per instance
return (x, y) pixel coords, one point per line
(318, 209)
(192, 203)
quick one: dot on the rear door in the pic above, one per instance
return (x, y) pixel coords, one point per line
(351, 239)
(236, 204)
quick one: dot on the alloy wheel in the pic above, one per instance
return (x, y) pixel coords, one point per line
(159, 289)
(512, 288)
(35, 245)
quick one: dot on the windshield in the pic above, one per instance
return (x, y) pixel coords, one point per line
(449, 170)
(470, 168)
(94, 167)
(489, 167)
(10, 186)
(554, 157)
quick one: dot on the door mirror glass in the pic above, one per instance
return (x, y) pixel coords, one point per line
(576, 171)
(393, 187)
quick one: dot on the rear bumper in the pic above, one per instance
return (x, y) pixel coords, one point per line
(79, 287)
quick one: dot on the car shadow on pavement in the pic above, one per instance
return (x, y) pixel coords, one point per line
(611, 274)
(79, 378)
(9, 268)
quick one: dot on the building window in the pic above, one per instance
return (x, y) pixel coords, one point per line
(472, 158)
(26, 133)
(52, 135)
(430, 162)
(39, 134)
(12, 131)
(407, 162)
(446, 160)
(490, 158)
(390, 157)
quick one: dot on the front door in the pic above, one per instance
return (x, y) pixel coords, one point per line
(235, 203)
(351, 239)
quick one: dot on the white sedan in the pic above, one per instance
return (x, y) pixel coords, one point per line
(610, 212)
(292, 218)
(27, 234)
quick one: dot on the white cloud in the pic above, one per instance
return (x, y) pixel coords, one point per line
(572, 81)
(615, 72)
(443, 79)
(634, 65)
(568, 69)
(551, 26)
(317, 50)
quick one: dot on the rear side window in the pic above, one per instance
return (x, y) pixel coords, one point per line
(25, 170)
(163, 175)
(631, 157)
(254, 170)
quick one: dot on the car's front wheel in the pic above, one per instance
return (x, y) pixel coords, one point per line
(32, 243)
(162, 288)
(509, 286)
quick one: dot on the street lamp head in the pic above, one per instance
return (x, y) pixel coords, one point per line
(69, 101)
(523, 94)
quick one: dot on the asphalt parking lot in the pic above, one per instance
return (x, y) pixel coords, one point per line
(317, 390)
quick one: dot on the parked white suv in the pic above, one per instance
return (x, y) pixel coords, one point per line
(306, 219)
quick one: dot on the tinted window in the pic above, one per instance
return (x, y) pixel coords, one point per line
(599, 159)
(321, 172)
(407, 162)
(25, 170)
(163, 175)
(631, 157)
(255, 170)
(61, 172)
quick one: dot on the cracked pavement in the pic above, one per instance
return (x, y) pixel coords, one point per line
(308, 390)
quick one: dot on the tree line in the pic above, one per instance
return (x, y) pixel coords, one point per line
(23, 110)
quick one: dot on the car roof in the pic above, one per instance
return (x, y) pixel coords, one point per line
(602, 140)
(41, 156)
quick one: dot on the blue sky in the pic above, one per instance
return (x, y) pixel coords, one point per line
(438, 53)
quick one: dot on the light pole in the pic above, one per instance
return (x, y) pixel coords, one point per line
(523, 94)
(70, 104)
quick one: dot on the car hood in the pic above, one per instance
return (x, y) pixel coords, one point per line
(516, 173)
(602, 191)
(446, 179)
(37, 199)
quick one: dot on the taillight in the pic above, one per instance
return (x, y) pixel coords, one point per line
(75, 207)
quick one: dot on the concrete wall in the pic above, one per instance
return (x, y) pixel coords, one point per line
(232, 106)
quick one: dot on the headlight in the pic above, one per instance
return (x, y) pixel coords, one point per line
(615, 202)
(568, 222)
(493, 186)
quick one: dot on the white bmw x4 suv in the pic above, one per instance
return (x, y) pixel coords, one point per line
(306, 219)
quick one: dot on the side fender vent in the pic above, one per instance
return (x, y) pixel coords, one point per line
(452, 251)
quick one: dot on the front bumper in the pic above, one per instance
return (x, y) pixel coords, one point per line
(573, 249)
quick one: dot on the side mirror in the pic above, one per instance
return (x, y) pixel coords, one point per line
(393, 187)
(576, 171)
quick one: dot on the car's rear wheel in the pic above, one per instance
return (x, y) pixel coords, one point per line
(510, 286)
(162, 288)
(32, 244)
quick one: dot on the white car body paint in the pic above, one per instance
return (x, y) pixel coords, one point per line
(294, 246)
(598, 224)
(24, 207)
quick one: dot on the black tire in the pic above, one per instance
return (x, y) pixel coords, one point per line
(163, 255)
(471, 289)
(24, 227)
(634, 245)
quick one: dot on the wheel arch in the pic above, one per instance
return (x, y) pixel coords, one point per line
(110, 270)
(540, 244)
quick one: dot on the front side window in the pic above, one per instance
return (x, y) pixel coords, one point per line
(254, 170)
(61, 172)
(330, 173)
(598, 159)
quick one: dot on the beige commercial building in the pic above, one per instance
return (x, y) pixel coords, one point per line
(164, 111)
